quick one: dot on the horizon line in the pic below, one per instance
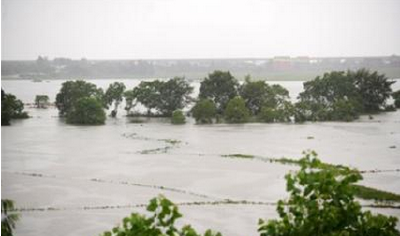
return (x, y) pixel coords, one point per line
(198, 58)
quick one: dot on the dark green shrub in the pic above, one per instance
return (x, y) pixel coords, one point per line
(41, 101)
(11, 108)
(236, 111)
(220, 87)
(87, 111)
(72, 91)
(204, 111)
(178, 118)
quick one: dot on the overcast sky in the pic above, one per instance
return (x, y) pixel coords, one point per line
(140, 29)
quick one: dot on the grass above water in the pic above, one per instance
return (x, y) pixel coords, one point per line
(369, 193)
(239, 156)
(362, 192)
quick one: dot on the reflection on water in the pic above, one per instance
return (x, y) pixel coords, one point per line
(46, 163)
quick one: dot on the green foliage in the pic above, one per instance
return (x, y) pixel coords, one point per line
(114, 94)
(163, 97)
(130, 100)
(267, 114)
(41, 101)
(87, 111)
(72, 91)
(178, 117)
(268, 103)
(175, 95)
(160, 222)
(236, 111)
(397, 103)
(281, 113)
(220, 87)
(204, 111)
(374, 194)
(11, 108)
(396, 97)
(7, 219)
(374, 89)
(342, 96)
(344, 110)
(246, 156)
(255, 94)
(322, 202)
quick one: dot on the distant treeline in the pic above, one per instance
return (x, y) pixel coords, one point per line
(335, 96)
(277, 68)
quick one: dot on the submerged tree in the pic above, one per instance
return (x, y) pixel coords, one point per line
(255, 94)
(11, 108)
(220, 87)
(178, 118)
(81, 102)
(236, 111)
(114, 94)
(162, 97)
(204, 111)
(41, 101)
(396, 97)
(340, 95)
(174, 95)
(322, 203)
(8, 219)
(87, 111)
(373, 88)
(161, 221)
(72, 91)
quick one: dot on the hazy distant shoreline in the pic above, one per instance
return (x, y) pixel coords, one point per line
(280, 68)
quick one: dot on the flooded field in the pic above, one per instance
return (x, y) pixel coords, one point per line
(78, 180)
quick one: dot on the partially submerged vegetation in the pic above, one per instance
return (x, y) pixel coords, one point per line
(239, 156)
(360, 191)
(336, 96)
(11, 108)
(369, 193)
(324, 207)
(41, 101)
(178, 118)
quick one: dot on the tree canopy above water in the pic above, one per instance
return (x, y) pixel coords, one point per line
(163, 97)
(72, 91)
(219, 87)
(11, 108)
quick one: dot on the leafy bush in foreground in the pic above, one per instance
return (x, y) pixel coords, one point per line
(7, 219)
(322, 202)
(161, 222)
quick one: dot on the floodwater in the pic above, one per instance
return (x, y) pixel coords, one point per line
(80, 180)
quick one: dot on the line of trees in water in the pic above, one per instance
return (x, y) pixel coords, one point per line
(335, 96)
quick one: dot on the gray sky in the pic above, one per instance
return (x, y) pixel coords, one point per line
(140, 29)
